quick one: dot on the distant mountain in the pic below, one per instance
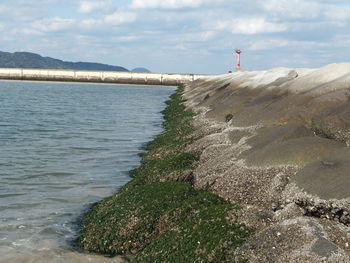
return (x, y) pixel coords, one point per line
(143, 70)
(32, 60)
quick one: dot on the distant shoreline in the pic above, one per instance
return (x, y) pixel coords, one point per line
(33, 60)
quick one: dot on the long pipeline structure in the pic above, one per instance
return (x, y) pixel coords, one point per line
(166, 79)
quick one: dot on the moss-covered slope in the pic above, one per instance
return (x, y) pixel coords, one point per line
(159, 216)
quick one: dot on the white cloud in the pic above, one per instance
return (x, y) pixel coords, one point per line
(3, 9)
(126, 39)
(203, 36)
(293, 8)
(166, 4)
(180, 47)
(268, 44)
(159, 30)
(341, 40)
(306, 10)
(116, 18)
(338, 13)
(28, 31)
(90, 23)
(52, 24)
(250, 26)
(91, 6)
(120, 17)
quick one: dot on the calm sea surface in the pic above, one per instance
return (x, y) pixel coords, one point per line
(62, 148)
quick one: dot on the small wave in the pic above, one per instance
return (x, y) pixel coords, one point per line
(58, 174)
(90, 148)
(59, 200)
(64, 152)
(19, 206)
(10, 195)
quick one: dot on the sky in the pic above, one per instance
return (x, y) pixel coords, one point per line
(184, 36)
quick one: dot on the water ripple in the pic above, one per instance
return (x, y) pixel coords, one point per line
(64, 147)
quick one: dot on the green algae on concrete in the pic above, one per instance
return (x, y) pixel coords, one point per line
(165, 159)
(157, 219)
(206, 236)
(177, 125)
(128, 221)
(170, 219)
(169, 168)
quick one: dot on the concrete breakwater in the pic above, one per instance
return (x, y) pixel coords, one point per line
(166, 79)
(277, 142)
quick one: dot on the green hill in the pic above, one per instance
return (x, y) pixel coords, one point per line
(143, 70)
(32, 60)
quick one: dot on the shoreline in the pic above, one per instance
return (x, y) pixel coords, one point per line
(275, 143)
(159, 209)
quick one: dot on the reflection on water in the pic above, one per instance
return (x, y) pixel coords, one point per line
(64, 147)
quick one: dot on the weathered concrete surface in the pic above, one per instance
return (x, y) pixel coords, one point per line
(165, 79)
(277, 143)
(328, 178)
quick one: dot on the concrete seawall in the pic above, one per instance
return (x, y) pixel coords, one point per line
(278, 143)
(166, 79)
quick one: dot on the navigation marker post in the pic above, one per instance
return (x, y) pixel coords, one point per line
(238, 61)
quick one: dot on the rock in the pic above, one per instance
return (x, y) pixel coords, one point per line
(327, 178)
(289, 242)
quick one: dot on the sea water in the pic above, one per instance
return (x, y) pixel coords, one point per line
(64, 147)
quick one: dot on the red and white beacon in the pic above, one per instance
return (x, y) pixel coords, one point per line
(238, 61)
